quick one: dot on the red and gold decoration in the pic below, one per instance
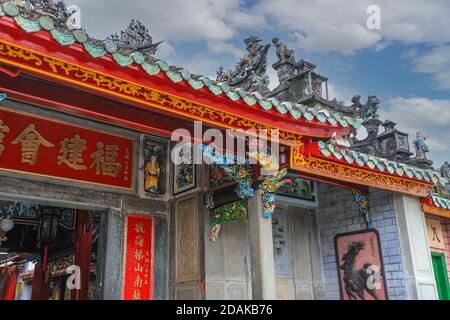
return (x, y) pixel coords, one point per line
(312, 164)
(138, 278)
(436, 206)
(40, 146)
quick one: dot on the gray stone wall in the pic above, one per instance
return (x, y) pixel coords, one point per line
(338, 213)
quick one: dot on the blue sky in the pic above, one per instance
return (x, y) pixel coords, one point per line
(406, 63)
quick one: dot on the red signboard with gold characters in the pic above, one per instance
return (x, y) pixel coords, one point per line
(36, 145)
(138, 279)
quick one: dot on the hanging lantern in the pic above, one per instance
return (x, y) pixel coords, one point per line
(48, 224)
(6, 224)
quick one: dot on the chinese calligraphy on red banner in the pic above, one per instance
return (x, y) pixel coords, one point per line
(41, 146)
(138, 281)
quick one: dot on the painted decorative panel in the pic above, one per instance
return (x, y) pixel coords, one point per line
(154, 166)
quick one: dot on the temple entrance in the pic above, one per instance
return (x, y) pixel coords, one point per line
(47, 252)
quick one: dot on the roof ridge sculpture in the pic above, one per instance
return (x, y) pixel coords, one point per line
(65, 36)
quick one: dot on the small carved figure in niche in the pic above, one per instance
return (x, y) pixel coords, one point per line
(283, 53)
(420, 146)
(356, 280)
(152, 174)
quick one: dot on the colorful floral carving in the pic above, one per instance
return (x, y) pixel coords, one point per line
(229, 212)
(363, 202)
(268, 187)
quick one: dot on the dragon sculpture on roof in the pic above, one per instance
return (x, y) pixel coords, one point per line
(250, 71)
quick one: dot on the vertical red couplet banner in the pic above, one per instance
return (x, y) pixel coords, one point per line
(138, 282)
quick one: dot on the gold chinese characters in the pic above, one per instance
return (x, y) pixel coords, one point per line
(71, 151)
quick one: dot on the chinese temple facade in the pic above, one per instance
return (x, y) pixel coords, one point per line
(94, 207)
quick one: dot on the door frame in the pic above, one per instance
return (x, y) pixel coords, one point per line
(446, 289)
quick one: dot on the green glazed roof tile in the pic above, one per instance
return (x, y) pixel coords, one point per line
(250, 100)
(295, 114)
(46, 23)
(348, 159)
(163, 65)
(301, 107)
(27, 25)
(215, 89)
(281, 108)
(175, 77)
(110, 46)
(321, 144)
(390, 169)
(94, 50)
(337, 155)
(196, 84)
(232, 95)
(79, 35)
(370, 164)
(224, 86)
(325, 152)
(331, 148)
(185, 74)
(206, 81)
(150, 68)
(360, 162)
(265, 104)
(138, 57)
(10, 9)
(321, 118)
(274, 101)
(409, 173)
(308, 115)
(257, 95)
(64, 39)
(123, 61)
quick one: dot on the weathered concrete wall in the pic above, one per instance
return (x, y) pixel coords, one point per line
(339, 213)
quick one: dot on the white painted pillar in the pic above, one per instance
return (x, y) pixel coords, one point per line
(416, 253)
(261, 252)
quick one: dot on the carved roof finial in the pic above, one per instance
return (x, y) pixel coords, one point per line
(136, 37)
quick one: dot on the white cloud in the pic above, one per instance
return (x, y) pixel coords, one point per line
(340, 26)
(223, 47)
(437, 63)
(167, 19)
(341, 93)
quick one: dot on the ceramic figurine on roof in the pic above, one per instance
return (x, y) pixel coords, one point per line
(283, 53)
(369, 110)
(250, 70)
(136, 38)
(420, 146)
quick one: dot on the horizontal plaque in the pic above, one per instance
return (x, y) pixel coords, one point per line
(41, 146)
